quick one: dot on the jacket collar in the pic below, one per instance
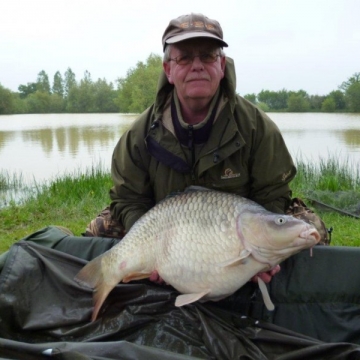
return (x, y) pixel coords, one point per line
(199, 133)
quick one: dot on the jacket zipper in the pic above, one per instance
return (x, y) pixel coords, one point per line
(192, 149)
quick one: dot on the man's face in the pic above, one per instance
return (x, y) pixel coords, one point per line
(196, 82)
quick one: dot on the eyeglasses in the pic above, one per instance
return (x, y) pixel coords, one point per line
(186, 59)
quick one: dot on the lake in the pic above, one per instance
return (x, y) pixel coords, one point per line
(40, 147)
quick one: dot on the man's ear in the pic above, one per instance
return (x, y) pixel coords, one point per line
(223, 64)
(167, 70)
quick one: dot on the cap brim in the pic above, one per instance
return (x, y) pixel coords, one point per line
(195, 34)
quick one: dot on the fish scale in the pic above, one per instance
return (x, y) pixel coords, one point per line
(204, 243)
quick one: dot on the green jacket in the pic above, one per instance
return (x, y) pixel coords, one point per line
(244, 154)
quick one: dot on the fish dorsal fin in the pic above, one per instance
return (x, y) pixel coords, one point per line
(265, 294)
(238, 260)
(185, 299)
(196, 188)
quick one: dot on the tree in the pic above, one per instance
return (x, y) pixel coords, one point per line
(104, 96)
(20, 105)
(315, 102)
(352, 97)
(298, 102)
(251, 98)
(81, 97)
(275, 100)
(57, 104)
(328, 105)
(352, 80)
(26, 90)
(38, 102)
(69, 81)
(339, 99)
(6, 101)
(42, 83)
(86, 94)
(58, 85)
(262, 106)
(137, 91)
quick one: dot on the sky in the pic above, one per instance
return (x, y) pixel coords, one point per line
(313, 45)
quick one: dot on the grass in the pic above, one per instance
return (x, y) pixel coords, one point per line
(72, 200)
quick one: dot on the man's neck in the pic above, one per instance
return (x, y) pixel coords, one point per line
(194, 116)
(194, 111)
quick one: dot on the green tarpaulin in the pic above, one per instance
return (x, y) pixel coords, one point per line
(45, 314)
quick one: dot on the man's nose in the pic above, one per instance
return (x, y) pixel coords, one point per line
(197, 63)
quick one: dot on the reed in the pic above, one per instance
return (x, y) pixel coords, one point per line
(72, 200)
(10, 181)
(334, 181)
(331, 174)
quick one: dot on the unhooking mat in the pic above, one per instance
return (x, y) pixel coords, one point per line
(45, 314)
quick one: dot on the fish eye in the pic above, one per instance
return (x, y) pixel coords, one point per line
(280, 220)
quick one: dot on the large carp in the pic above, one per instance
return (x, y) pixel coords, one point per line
(205, 243)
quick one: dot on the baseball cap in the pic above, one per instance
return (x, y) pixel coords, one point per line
(192, 26)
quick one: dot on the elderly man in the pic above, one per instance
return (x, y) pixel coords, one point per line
(198, 132)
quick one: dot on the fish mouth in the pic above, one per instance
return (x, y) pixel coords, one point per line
(311, 234)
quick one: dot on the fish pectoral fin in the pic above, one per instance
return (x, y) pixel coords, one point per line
(136, 276)
(265, 294)
(237, 260)
(189, 298)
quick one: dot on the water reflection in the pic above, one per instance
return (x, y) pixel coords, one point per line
(42, 137)
(351, 138)
(5, 138)
(71, 139)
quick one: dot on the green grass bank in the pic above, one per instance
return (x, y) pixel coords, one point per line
(72, 200)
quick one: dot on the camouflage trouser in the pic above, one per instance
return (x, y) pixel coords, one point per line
(105, 226)
(299, 210)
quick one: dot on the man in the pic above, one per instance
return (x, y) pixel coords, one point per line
(198, 132)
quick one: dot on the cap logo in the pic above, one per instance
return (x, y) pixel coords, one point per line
(196, 24)
(184, 25)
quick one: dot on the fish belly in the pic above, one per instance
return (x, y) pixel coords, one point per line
(218, 281)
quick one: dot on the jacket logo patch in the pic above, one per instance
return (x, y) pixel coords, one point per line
(285, 175)
(229, 174)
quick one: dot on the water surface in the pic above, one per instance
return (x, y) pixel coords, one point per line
(43, 146)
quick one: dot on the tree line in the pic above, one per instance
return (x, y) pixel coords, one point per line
(133, 93)
(345, 99)
(136, 91)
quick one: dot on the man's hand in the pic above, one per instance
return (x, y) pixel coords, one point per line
(266, 276)
(156, 278)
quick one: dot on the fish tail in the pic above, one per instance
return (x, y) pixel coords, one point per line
(100, 294)
(91, 275)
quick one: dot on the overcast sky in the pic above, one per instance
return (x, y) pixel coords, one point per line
(312, 45)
